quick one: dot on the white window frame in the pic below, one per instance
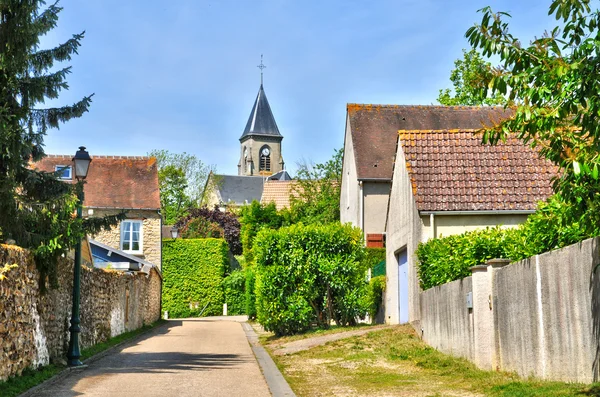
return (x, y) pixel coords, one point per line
(63, 168)
(141, 242)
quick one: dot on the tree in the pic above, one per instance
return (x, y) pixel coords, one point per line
(469, 80)
(204, 222)
(316, 196)
(553, 83)
(174, 202)
(36, 208)
(194, 171)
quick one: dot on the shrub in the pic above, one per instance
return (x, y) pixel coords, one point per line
(249, 292)
(309, 274)
(255, 217)
(193, 271)
(555, 224)
(202, 223)
(373, 257)
(234, 287)
(375, 296)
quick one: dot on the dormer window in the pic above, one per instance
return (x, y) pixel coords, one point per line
(64, 171)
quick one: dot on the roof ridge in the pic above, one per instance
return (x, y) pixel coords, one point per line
(100, 156)
(392, 106)
(447, 130)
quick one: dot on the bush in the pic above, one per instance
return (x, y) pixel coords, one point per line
(373, 257)
(206, 223)
(193, 271)
(375, 296)
(250, 294)
(309, 274)
(255, 217)
(555, 224)
(234, 287)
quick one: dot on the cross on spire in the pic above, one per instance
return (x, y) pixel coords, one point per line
(261, 67)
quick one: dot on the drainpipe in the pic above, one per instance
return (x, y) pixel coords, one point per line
(431, 226)
(361, 209)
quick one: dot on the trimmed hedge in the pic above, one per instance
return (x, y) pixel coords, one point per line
(193, 272)
(234, 287)
(309, 274)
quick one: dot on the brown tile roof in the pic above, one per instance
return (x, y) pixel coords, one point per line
(277, 192)
(375, 127)
(454, 171)
(115, 181)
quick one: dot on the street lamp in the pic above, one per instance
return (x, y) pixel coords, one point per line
(82, 162)
(174, 232)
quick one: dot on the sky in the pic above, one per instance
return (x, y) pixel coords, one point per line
(182, 75)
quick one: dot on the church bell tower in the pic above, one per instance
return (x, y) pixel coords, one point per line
(260, 143)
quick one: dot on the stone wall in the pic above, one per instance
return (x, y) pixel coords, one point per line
(151, 240)
(34, 326)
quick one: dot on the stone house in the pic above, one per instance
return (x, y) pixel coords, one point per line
(115, 184)
(370, 148)
(447, 182)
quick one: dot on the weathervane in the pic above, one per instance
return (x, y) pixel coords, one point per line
(261, 67)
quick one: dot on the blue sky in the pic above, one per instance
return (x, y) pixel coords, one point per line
(181, 75)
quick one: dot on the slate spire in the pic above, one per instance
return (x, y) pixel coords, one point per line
(261, 121)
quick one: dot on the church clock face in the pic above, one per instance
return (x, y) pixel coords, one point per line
(265, 152)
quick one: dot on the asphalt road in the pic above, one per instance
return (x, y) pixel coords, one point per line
(192, 357)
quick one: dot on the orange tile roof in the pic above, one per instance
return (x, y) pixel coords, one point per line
(278, 192)
(454, 171)
(115, 181)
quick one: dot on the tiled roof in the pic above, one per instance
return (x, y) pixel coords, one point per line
(278, 192)
(375, 129)
(115, 181)
(454, 171)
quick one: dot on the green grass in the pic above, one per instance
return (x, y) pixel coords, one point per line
(334, 329)
(33, 377)
(394, 361)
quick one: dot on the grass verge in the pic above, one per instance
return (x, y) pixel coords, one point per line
(33, 377)
(395, 362)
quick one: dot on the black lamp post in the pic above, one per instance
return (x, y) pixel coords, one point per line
(82, 162)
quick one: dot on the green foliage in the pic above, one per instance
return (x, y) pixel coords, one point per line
(192, 170)
(250, 292)
(469, 79)
(234, 287)
(373, 256)
(201, 228)
(204, 223)
(174, 202)
(309, 274)
(553, 83)
(315, 198)
(193, 271)
(253, 218)
(552, 226)
(36, 208)
(375, 296)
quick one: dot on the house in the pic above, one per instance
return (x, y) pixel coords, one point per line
(447, 182)
(115, 184)
(278, 192)
(370, 148)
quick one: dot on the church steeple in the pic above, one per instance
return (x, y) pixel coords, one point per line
(261, 140)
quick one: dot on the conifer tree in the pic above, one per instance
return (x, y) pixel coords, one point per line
(36, 208)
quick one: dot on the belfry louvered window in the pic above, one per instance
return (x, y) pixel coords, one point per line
(265, 159)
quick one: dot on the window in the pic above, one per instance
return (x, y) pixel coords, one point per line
(64, 171)
(131, 236)
(265, 159)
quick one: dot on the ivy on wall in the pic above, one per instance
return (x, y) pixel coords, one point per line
(193, 273)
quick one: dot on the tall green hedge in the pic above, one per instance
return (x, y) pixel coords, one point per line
(309, 274)
(193, 272)
(234, 287)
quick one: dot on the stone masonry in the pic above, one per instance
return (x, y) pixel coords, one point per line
(34, 326)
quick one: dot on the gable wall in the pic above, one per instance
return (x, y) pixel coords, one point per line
(349, 192)
(404, 229)
(151, 236)
(376, 197)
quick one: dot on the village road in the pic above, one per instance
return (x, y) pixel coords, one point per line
(192, 357)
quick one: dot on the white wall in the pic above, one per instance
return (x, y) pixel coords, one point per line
(349, 192)
(376, 198)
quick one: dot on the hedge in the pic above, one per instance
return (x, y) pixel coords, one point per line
(309, 274)
(234, 287)
(193, 272)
